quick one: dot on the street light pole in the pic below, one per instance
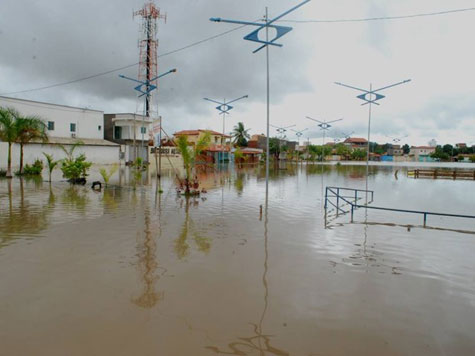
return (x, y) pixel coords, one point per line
(224, 109)
(282, 130)
(299, 134)
(324, 126)
(370, 97)
(254, 37)
(145, 88)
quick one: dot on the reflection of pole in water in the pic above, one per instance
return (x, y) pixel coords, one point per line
(147, 266)
(258, 342)
(264, 274)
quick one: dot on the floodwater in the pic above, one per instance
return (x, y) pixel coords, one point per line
(129, 271)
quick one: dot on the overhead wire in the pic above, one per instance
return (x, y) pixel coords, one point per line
(127, 66)
(382, 18)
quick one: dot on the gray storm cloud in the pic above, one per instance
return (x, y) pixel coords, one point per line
(54, 41)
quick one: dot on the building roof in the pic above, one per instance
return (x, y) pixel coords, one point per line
(251, 151)
(424, 147)
(198, 132)
(356, 140)
(40, 103)
(71, 141)
(217, 148)
(255, 137)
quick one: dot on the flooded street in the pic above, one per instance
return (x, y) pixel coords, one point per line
(129, 271)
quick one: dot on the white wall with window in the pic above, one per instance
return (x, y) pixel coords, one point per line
(62, 121)
(124, 127)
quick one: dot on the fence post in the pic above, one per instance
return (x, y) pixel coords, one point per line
(352, 209)
(337, 200)
(326, 197)
(356, 195)
(425, 219)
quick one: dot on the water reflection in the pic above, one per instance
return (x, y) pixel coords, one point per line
(24, 219)
(182, 247)
(148, 266)
(75, 197)
(258, 343)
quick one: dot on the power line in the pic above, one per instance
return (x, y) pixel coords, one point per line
(124, 67)
(446, 12)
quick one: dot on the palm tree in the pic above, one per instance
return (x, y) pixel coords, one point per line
(51, 164)
(8, 133)
(240, 135)
(190, 157)
(28, 128)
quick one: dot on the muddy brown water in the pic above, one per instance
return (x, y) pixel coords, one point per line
(129, 271)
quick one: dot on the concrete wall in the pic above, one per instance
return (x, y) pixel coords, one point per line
(89, 123)
(94, 154)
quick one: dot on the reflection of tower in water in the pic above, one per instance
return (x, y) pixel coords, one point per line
(147, 266)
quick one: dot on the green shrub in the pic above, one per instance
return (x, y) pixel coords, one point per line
(472, 158)
(75, 168)
(32, 170)
(3, 173)
(107, 175)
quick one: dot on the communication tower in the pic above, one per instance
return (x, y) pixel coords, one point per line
(148, 46)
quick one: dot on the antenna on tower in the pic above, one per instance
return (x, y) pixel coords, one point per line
(148, 44)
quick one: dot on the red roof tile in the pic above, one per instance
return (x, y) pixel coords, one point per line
(197, 132)
(356, 140)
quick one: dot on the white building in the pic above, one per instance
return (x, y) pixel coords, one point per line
(66, 125)
(128, 129)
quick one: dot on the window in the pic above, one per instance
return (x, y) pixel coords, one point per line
(118, 132)
(50, 125)
(73, 127)
(99, 128)
(143, 130)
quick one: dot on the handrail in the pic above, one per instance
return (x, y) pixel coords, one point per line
(355, 205)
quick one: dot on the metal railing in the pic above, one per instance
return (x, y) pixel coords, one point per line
(334, 192)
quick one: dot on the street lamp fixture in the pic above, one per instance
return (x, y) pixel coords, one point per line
(145, 88)
(371, 96)
(254, 37)
(224, 108)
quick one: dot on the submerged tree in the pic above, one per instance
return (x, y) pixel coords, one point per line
(190, 156)
(28, 128)
(8, 133)
(51, 164)
(106, 175)
(75, 168)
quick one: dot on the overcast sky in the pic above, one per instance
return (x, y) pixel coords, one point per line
(46, 42)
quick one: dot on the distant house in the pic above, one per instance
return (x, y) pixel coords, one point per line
(460, 145)
(422, 153)
(260, 141)
(219, 148)
(356, 142)
(65, 125)
(250, 155)
(257, 141)
(395, 150)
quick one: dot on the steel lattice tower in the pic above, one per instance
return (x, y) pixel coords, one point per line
(148, 45)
